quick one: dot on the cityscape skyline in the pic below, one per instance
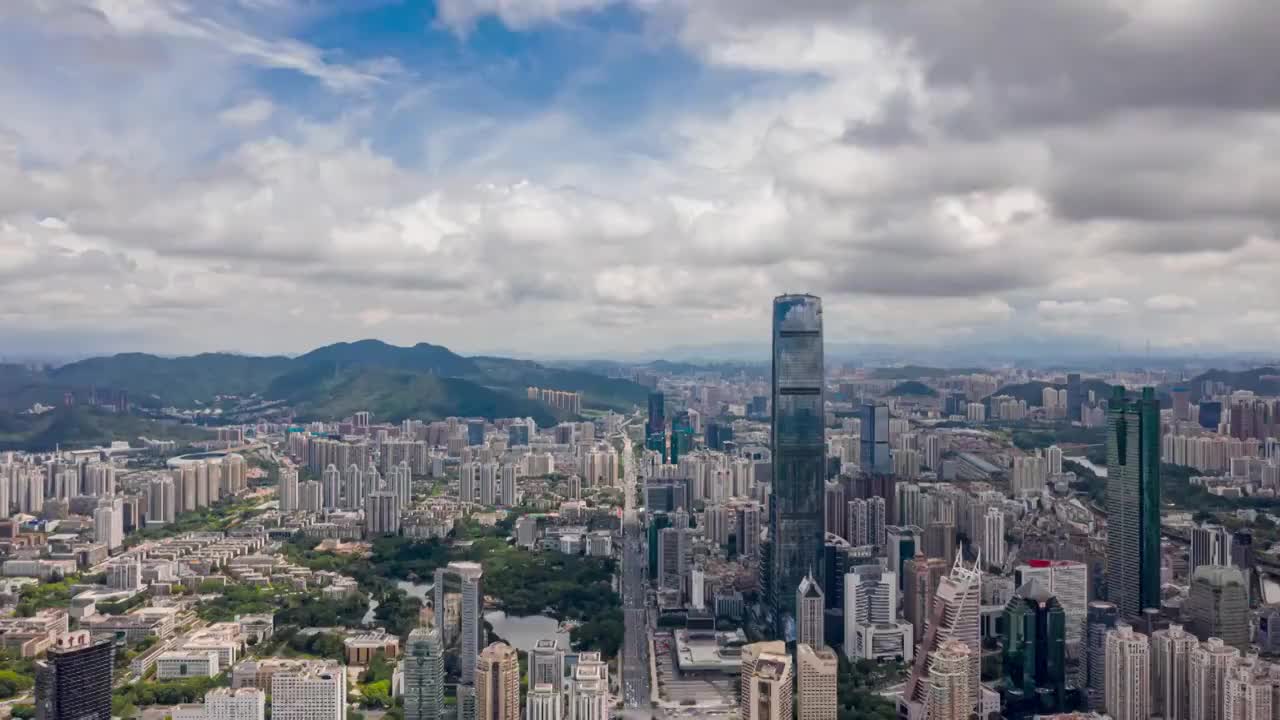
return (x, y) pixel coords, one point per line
(667, 359)
(830, 459)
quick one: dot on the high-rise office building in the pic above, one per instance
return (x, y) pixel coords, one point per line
(901, 544)
(920, 585)
(423, 667)
(458, 604)
(1102, 619)
(497, 682)
(313, 691)
(874, 440)
(940, 539)
(657, 422)
(835, 514)
(1068, 580)
(765, 684)
(1207, 672)
(1218, 605)
(1211, 544)
(816, 670)
(1035, 652)
(1210, 415)
(673, 558)
(1128, 674)
(872, 630)
(950, 688)
(994, 547)
(589, 688)
(546, 663)
(799, 448)
(1075, 397)
(748, 532)
(74, 680)
(810, 609)
(1133, 502)
(1171, 650)
(955, 615)
(544, 702)
(108, 523)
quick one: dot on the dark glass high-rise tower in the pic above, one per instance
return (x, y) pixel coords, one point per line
(1075, 397)
(657, 414)
(74, 681)
(1035, 653)
(655, 428)
(799, 453)
(1102, 617)
(875, 439)
(1133, 502)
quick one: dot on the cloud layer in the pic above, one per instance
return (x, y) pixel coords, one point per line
(191, 176)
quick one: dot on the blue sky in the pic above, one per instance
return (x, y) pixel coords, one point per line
(560, 177)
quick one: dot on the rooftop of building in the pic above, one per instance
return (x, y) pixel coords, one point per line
(720, 652)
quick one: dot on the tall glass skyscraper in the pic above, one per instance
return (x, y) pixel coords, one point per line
(1075, 397)
(657, 414)
(423, 667)
(1035, 652)
(799, 453)
(875, 439)
(1133, 502)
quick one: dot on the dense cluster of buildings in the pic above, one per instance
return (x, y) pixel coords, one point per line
(815, 507)
(893, 529)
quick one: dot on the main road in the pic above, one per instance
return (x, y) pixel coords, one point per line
(635, 645)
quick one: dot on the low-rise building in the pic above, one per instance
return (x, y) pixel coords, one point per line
(31, 636)
(180, 664)
(257, 628)
(361, 648)
(127, 629)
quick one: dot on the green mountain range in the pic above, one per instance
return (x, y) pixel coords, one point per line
(81, 426)
(913, 387)
(1263, 381)
(423, 381)
(1033, 392)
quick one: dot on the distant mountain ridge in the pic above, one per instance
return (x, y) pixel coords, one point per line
(913, 388)
(1262, 381)
(421, 381)
(1033, 392)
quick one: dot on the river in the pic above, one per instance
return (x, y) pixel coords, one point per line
(1099, 471)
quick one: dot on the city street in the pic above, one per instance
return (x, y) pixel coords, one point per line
(635, 649)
